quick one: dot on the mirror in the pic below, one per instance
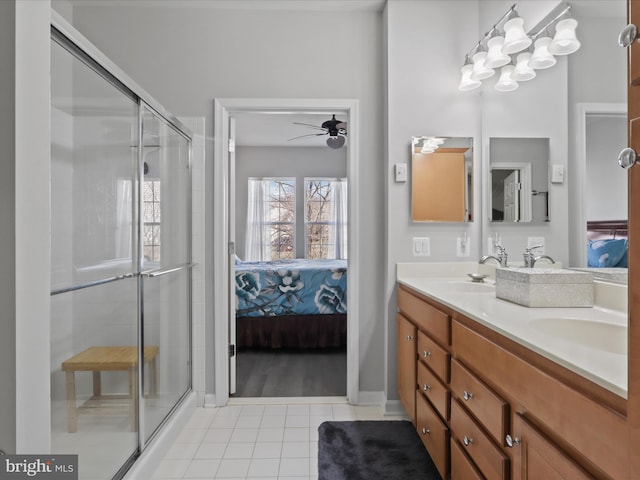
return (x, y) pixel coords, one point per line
(519, 179)
(441, 179)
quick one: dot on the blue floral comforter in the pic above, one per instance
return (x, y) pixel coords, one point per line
(291, 287)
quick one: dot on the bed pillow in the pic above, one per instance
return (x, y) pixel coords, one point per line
(607, 253)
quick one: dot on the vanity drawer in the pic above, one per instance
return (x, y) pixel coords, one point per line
(434, 356)
(486, 455)
(434, 434)
(462, 468)
(434, 390)
(490, 410)
(426, 317)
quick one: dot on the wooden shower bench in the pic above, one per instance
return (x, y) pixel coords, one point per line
(104, 359)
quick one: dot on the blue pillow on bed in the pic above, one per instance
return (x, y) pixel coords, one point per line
(607, 253)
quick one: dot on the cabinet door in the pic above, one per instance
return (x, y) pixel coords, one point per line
(434, 435)
(407, 358)
(537, 458)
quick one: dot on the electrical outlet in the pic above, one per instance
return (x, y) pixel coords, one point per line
(463, 247)
(421, 246)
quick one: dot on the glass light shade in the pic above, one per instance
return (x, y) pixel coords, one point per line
(565, 42)
(495, 56)
(541, 57)
(465, 82)
(515, 38)
(480, 70)
(427, 149)
(506, 83)
(335, 142)
(522, 71)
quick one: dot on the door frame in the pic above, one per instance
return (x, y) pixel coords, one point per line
(223, 108)
(580, 217)
(525, 189)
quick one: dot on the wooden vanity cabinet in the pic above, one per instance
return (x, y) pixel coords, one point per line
(406, 345)
(488, 407)
(426, 363)
(536, 457)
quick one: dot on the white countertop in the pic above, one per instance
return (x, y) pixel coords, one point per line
(582, 352)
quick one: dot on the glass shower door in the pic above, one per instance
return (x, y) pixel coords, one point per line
(166, 267)
(94, 302)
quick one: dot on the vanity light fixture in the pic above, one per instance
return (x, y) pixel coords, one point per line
(541, 57)
(515, 38)
(523, 71)
(507, 50)
(565, 42)
(506, 83)
(495, 56)
(466, 83)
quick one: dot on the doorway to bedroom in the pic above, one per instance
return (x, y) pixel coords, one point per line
(291, 255)
(288, 276)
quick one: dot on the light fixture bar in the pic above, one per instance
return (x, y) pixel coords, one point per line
(491, 30)
(546, 22)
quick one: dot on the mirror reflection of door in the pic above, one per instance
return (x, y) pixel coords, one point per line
(512, 197)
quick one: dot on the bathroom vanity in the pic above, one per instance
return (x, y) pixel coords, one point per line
(497, 390)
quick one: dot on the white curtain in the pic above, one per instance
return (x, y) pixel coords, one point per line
(124, 212)
(257, 237)
(338, 232)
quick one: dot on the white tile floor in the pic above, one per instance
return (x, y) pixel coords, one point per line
(261, 440)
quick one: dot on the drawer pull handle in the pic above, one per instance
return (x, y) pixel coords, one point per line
(409, 338)
(426, 354)
(426, 387)
(511, 441)
(467, 441)
(467, 395)
(426, 431)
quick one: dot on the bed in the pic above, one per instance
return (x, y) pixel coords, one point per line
(292, 304)
(607, 243)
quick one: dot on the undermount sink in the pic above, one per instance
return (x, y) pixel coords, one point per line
(607, 337)
(462, 286)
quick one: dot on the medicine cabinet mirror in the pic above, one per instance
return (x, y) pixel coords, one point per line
(519, 179)
(441, 179)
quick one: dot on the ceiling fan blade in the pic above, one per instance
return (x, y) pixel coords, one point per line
(309, 125)
(308, 135)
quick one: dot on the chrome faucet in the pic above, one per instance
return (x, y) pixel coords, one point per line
(502, 257)
(530, 259)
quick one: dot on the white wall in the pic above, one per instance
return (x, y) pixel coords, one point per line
(186, 57)
(297, 162)
(606, 194)
(426, 46)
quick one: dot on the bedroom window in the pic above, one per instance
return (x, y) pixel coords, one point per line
(325, 218)
(151, 220)
(271, 219)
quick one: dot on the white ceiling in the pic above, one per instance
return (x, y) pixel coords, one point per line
(275, 129)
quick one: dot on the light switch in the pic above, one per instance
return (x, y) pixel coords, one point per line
(400, 170)
(421, 246)
(557, 174)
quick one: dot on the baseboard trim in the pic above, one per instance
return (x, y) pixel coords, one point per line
(371, 399)
(155, 452)
(394, 408)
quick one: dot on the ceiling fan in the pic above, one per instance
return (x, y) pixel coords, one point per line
(336, 129)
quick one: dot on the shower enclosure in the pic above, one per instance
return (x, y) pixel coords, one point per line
(120, 261)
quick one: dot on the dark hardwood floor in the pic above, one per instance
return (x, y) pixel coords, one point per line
(291, 373)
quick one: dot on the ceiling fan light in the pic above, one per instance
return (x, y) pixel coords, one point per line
(541, 57)
(515, 38)
(495, 56)
(336, 141)
(565, 42)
